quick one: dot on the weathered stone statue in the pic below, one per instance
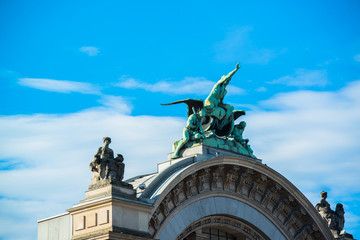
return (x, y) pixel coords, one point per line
(214, 124)
(335, 220)
(105, 166)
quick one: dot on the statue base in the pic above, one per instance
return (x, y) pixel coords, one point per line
(224, 143)
(344, 236)
(104, 182)
(110, 210)
(200, 152)
(108, 187)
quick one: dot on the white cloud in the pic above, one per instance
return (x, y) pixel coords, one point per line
(316, 133)
(117, 103)
(261, 89)
(304, 78)
(90, 50)
(237, 46)
(55, 151)
(189, 85)
(312, 138)
(61, 86)
(357, 57)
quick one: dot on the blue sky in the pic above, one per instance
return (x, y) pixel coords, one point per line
(72, 72)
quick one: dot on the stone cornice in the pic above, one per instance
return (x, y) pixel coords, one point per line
(110, 200)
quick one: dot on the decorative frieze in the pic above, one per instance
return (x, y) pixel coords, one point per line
(191, 185)
(258, 188)
(218, 175)
(178, 193)
(231, 179)
(167, 204)
(271, 196)
(245, 183)
(204, 180)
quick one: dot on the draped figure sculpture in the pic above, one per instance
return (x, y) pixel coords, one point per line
(105, 166)
(335, 219)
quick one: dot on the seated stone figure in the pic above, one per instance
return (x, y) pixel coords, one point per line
(335, 220)
(105, 166)
(192, 131)
(117, 168)
(237, 134)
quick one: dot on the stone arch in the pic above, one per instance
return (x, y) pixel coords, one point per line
(218, 205)
(242, 183)
(230, 224)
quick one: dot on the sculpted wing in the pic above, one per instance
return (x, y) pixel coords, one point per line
(238, 113)
(198, 104)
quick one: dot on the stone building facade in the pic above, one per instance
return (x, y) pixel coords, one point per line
(211, 187)
(208, 193)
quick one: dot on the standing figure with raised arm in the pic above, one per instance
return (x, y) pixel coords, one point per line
(214, 105)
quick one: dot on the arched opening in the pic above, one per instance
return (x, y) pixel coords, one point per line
(221, 227)
(213, 233)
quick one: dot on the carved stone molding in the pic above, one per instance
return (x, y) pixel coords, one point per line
(247, 185)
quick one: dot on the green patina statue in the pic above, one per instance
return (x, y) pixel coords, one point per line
(192, 131)
(214, 105)
(238, 136)
(212, 123)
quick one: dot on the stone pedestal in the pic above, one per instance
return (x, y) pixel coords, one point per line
(201, 152)
(345, 236)
(110, 211)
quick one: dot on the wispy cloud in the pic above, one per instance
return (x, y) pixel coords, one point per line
(317, 134)
(189, 85)
(357, 57)
(90, 50)
(304, 78)
(48, 144)
(61, 86)
(261, 89)
(328, 62)
(237, 46)
(313, 130)
(116, 103)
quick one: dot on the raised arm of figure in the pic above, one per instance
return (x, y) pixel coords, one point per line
(226, 78)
